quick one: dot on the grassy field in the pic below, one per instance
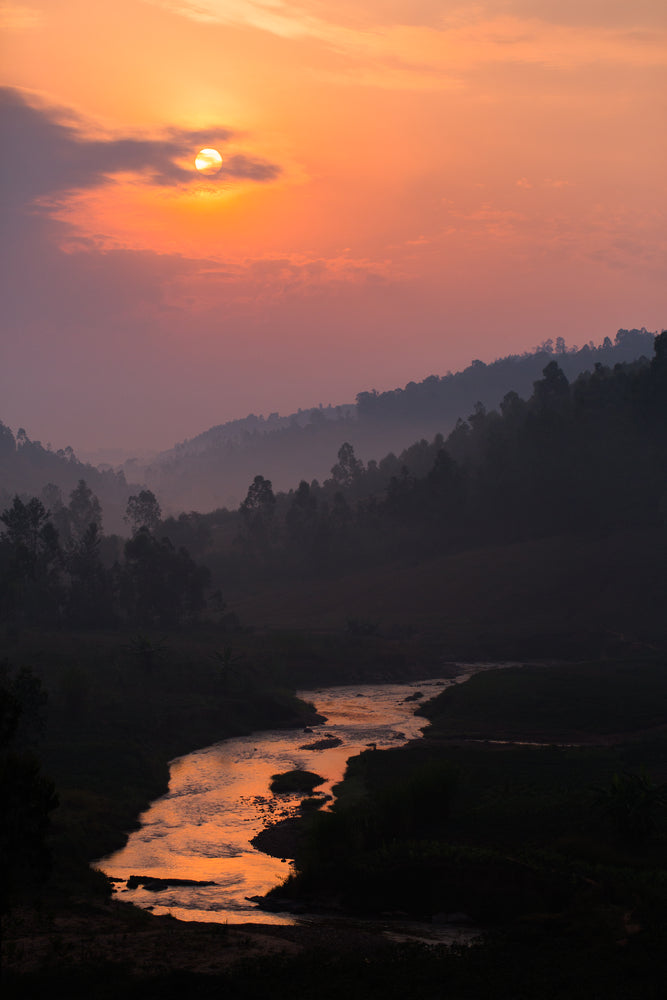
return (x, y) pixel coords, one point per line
(603, 701)
(553, 598)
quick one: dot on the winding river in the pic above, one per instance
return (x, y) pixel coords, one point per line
(219, 799)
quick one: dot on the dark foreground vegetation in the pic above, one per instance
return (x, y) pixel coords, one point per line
(535, 808)
(556, 854)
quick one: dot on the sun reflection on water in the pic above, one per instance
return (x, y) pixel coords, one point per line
(219, 799)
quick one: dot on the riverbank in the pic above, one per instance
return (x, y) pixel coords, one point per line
(520, 838)
(118, 935)
(222, 797)
(106, 712)
(559, 838)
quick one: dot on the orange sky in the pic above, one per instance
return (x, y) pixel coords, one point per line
(406, 185)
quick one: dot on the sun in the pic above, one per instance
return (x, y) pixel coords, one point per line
(208, 161)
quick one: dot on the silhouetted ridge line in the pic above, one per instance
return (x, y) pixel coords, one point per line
(213, 469)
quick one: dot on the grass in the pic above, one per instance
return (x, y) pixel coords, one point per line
(518, 600)
(112, 725)
(583, 701)
(520, 837)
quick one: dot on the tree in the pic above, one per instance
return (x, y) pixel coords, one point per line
(260, 500)
(552, 391)
(90, 594)
(7, 442)
(257, 512)
(84, 510)
(59, 515)
(160, 585)
(143, 511)
(31, 563)
(348, 469)
(301, 522)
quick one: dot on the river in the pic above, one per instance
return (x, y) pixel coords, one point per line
(219, 799)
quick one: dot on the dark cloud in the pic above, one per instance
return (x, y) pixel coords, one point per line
(46, 155)
(254, 170)
(82, 325)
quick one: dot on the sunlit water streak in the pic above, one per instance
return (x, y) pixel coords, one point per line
(219, 799)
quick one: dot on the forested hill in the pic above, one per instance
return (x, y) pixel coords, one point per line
(454, 395)
(28, 469)
(214, 469)
(545, 517)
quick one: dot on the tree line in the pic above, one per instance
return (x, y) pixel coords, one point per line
(214, 468)
(53, 570)
(580, 456)
(26, 466)
(575, 457)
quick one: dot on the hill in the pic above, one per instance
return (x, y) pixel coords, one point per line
(28, 469)
(214, 468)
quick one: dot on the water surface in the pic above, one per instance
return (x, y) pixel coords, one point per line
(219, 799)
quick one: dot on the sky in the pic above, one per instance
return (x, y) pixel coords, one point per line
(406, 185)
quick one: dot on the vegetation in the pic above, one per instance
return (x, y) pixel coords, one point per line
(48, 582)
(30, 469)
(109, 710)
(555, 849)
(574, 458)
(536, 806)
(214, 468)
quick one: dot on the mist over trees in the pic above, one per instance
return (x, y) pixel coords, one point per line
(65, 578)
(579, 460)
(30, 469)
(576, 458)
(213, 469)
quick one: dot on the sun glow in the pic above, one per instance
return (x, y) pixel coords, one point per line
(208, 161)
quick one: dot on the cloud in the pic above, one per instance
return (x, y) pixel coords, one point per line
(50, 152)
(18, 17)
(291, 18)
(249, 169)
(428, 45)
(341, 20)
(94, 320)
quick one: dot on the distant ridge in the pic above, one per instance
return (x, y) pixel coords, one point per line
(214, 468)
(235, 431)
(28, 469)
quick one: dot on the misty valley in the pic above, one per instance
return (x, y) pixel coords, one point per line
(333, 500)
(463, 631)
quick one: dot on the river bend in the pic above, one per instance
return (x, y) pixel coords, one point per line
(219, 799)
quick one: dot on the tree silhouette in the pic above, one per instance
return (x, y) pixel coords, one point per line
(84, 510)
(32, 561)
(348, 468)
(143, 511)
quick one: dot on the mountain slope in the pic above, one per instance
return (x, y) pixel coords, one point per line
(215, 468)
